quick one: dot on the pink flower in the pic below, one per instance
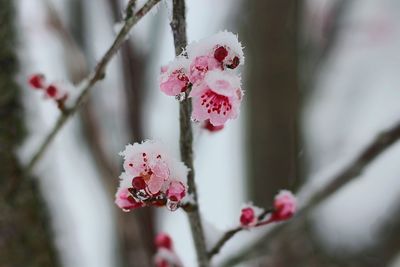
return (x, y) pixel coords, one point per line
(163, 240)
(285, 206)
(200, 66)
(125, 200)
(211, 128)
(151, 174)
(165, 256)
(224, 47)
(37, 81)
(56, 92)
(248, 217)
(176, 191)
(217, 98)
(174, 79)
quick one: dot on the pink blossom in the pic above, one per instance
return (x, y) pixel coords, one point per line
(163, 240)
(224, 46)
(176, 191)
(211, 128)
(217, 98)
(37, 81)
(285, 206)
(152, 175)
(200, 66)
(165, 256)
(248, 217)
(125, 200)
(56, 92)
(174, 79)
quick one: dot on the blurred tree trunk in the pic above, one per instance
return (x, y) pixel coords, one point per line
(272, 84)
(25, 236)
(136, 229)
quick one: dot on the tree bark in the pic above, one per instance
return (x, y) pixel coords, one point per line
(272, 91)
(25, 235)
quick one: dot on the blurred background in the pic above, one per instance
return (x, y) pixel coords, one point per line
(321, 80)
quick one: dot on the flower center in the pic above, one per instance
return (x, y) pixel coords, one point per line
(215, 103)
(220, 53)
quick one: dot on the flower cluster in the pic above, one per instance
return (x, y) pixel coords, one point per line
(165, 255)
(57, 91)
(150, 178)
(285, 206)
(206, 72)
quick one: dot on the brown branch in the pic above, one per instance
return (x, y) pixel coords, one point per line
(178, 26)
(231, 233)
(380, 144)
(222, 241)
(97, 75)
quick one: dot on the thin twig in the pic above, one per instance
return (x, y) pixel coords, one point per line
(222, 241)
(231, 233)
(379, 145)
(97, 75)
(130, 8)
(178, 26)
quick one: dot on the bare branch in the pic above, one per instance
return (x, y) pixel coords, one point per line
(379, 145)
(231, 233)
(96, 75)
(178, 26)
(225, 238)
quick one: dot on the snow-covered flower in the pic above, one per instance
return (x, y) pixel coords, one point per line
(200, 66)
(151, 176)
(174, 78)
(217, 98)
(176, 191)
(224, 47)
(285, 205)
(165, 255)
(125, 200)
(163, 240)
(206, 69)
(57, 91)
(249, 215)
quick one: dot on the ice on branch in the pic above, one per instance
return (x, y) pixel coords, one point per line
(207, 72)
(150, 178)
(165, 255)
